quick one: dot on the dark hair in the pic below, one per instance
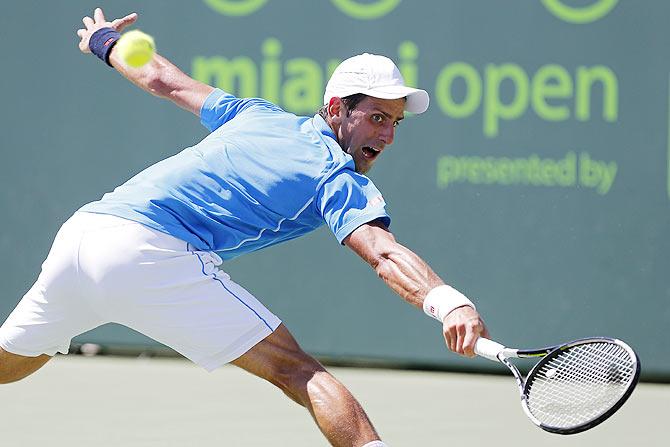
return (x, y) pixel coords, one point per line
(350, 102)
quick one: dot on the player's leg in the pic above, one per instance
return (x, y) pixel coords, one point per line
(54, 310)
(15, 367)
(177, 296)
(180, 298)
(280, 360)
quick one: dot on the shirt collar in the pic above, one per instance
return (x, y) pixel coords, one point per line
(322, 126)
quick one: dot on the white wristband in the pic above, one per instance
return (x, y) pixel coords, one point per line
(442, 300)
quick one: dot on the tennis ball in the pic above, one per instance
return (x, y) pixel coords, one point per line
(135, 48)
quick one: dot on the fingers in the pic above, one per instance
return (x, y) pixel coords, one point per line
(467, 334)
(461, 332)
(91, 25)
(120, 24)
(88, 22)
(469, 340)
(479, 330)
(450, 339)
(462, 328)
(99, 21)
(98, 15)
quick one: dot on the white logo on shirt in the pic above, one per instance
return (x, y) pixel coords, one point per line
(378, 200)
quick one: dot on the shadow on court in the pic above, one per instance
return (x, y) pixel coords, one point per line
(112, 401)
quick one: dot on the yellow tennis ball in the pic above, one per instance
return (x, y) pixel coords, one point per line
(136, 48)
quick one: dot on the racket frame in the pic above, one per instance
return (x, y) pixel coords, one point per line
(497, 352)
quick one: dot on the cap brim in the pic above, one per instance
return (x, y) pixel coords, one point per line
(417, 99)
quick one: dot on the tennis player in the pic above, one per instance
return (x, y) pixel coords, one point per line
(147, 255)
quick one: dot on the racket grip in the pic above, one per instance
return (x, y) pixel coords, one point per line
(488, 349)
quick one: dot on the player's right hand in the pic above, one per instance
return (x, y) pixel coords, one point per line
(98, 21)
(461, 328)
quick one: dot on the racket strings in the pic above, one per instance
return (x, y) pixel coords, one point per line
(580, 384)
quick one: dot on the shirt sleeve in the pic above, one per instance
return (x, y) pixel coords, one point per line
(348, 200)
(220, 107)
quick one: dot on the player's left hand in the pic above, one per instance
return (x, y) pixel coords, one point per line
(462, 327)
(97, 22)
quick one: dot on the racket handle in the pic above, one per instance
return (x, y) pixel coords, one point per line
(488, 349)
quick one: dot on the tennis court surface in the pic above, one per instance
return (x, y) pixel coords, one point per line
(111, 401)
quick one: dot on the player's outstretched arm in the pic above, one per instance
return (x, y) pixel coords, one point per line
(158, 77)
(412, 278)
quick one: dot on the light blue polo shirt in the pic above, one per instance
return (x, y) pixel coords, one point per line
(262, 176)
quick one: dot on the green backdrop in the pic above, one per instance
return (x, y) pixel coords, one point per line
(538, 181)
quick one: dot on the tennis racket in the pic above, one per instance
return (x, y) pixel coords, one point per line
(575, 386)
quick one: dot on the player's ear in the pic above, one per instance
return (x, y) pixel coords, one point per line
(336, 109)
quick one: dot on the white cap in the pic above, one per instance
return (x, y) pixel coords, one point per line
(375, 76)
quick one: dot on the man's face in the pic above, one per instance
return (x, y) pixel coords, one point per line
(365, 131)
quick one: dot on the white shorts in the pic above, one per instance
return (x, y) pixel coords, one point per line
(105, 269)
